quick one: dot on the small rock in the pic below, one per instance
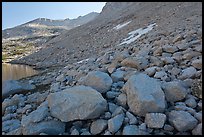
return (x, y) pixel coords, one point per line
(115, 123)
(98, 126)
(160, 75)
(200, 105)
(170, 49)
(9, 116)
(85, 133)
(107, 115)
(118, 76)
(175, 71)
(36, 116)
(174, 91)
(10, 125)
(191, 102)
(112, 107)
(107, 133)
(112, 94)
(75, 132)
(16, 100)
(197, 63)
(198, 116)
(60, 78)
(17, 131)
(135, 62)
(24, 109)
(130, 130)
(98, 80)
(132, 119)
(118, 110)
(177, 38)
(55, 87)
(158, 51)
(189, 72)
(143, 126)
(197, 130)
(10, 109)
(168, 127)
(155, 120)
(122, 99)
(168, 60)
(150, 71)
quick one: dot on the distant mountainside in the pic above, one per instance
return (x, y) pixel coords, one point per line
(30, 37)
(44, 26)
(100, 35)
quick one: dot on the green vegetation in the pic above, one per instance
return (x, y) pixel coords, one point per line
(10, 51)
(4, 57)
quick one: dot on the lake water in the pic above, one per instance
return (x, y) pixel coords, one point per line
(15, 71)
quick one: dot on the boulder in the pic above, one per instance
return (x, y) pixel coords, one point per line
(174, 91)
(143, 92)
(76, 103)
(10, 87)
(98, 80)
(155, 120)
(182, 120)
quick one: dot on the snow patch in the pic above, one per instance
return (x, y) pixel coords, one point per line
(137, 33)
(79, 62)
(119, 26)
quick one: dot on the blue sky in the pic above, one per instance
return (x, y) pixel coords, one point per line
(17, 13)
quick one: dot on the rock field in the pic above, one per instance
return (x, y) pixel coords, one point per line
(152, 86)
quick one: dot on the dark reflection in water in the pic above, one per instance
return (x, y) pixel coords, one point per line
(15, 71)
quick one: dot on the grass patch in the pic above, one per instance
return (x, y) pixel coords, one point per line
(4, 57)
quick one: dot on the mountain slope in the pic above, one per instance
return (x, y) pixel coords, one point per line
(42, 26)
(99, 35)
